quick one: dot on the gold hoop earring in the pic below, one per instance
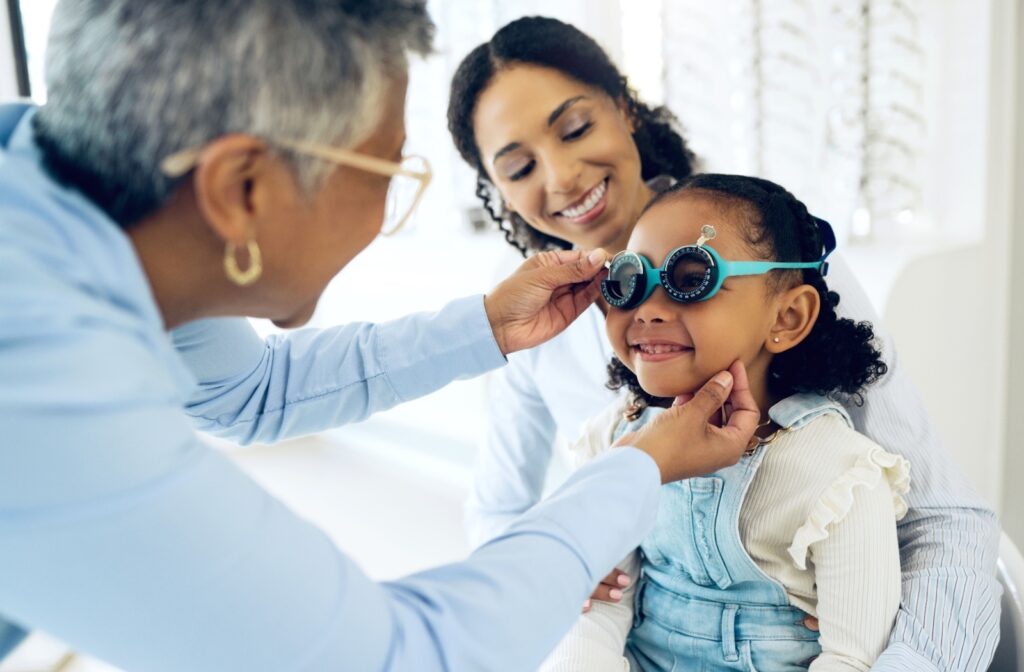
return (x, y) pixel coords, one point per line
(249, 275)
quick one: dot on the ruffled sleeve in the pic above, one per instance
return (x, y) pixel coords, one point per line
(833, 505)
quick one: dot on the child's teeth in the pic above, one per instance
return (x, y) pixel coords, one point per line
(659, 349)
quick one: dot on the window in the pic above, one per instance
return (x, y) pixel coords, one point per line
(35, 24)
(14, 74)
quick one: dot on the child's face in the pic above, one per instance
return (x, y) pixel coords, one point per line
(674, 348)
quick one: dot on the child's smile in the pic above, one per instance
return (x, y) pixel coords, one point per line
(674, 348)
(659, 349)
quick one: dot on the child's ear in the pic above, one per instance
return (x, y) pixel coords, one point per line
(798, 310)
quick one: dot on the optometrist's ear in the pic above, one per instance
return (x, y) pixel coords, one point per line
(234, 177)
(796, 312)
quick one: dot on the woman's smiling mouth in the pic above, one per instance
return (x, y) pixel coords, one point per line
(587, 208)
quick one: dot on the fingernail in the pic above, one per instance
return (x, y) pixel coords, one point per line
(623, 580)
(615, 594)
(723, 378)
(596, 257)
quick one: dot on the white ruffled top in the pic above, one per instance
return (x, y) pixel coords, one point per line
(819, 518)
(867, 473)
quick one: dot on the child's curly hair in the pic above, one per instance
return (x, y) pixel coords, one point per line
(839, 356)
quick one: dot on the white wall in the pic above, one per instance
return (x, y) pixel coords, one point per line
(1013, 476)
(949, 309)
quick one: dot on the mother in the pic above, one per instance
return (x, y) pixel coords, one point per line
(567, 156)
(201, 159)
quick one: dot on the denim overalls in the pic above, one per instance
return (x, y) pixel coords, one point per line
(702, 603)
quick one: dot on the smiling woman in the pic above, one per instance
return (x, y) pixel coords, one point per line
(561, 170)
(582, 148)
(550, 125)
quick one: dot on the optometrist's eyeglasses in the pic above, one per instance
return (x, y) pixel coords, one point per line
(409, 177)
(693, 272)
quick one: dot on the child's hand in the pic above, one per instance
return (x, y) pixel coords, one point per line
(684, 442)
(610, 588)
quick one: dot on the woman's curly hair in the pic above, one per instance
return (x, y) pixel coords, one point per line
(838, 357)
(553, 44)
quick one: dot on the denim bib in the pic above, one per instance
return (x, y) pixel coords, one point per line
(702, 603)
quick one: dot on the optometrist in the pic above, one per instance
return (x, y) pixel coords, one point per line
(224, 159)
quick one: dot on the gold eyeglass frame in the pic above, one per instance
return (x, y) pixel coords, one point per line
(178, 164)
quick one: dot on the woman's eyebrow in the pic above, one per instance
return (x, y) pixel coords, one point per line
(505, 150)
(552, 118)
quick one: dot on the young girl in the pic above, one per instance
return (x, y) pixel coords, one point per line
(721, 268)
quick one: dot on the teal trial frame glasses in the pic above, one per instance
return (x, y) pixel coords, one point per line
(693, 273)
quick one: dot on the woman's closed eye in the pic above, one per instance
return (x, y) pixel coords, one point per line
(578, 131)
(521, 172)
(518, 172)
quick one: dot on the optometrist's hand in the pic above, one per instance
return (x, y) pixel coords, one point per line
(685, 441)
(544, 296)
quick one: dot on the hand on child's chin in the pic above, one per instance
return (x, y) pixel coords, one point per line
(719, 421)
(682, 399)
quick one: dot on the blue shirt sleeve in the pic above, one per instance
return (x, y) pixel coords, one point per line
(125, 536)
(251, 389)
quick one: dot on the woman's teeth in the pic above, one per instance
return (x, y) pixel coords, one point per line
(659, 349)
(596, 194)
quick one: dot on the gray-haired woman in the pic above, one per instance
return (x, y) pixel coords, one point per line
(201, 159)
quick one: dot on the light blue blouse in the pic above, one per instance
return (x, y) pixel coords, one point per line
(125, 536)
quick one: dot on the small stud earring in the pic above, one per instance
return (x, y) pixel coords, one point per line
(775, 339)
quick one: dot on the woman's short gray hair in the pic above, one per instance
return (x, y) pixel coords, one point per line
(133, 81)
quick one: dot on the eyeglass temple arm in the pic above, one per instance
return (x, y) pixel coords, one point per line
(828, 242)
(733, 268)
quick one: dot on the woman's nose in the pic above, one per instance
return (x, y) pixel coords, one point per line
(563, 174)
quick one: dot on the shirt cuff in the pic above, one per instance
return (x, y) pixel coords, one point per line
(899, 657)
